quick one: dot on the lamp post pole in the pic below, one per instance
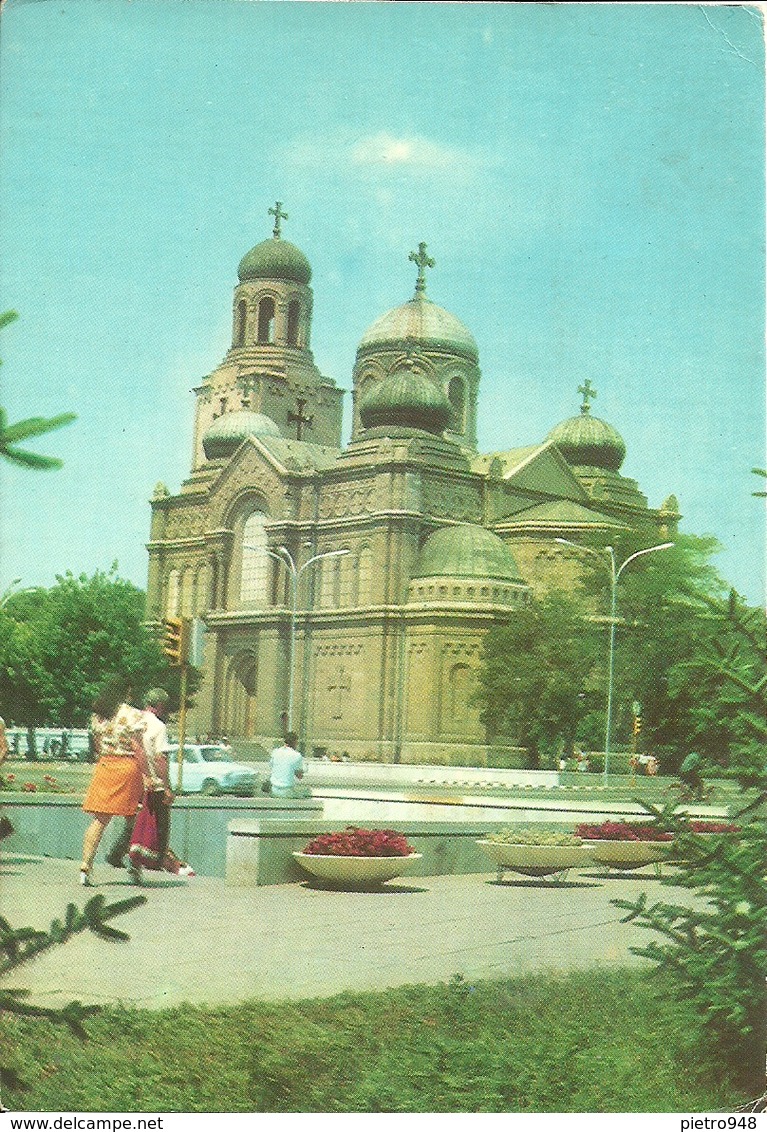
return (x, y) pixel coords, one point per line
(615, 573)
(283, 555)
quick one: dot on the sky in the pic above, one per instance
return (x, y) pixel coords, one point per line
(589, 180)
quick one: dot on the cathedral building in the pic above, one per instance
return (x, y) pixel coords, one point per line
(346, 590)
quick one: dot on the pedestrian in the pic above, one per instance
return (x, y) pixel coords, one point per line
(118, 780)
(286, 767)
(690, 776)
(150, 835)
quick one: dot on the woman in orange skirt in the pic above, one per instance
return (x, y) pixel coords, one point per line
(117, 785)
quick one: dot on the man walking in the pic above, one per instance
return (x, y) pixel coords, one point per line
(286, 767)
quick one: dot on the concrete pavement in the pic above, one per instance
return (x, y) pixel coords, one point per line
(198, 941)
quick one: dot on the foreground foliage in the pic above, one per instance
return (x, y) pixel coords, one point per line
(585, 1042)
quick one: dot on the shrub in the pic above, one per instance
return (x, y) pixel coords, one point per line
(354, 842)
(533, 837)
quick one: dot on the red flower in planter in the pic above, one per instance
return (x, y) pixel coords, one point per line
(10, 778)
(30, 786)
(354, 842)
(713, 827)
(622, 831)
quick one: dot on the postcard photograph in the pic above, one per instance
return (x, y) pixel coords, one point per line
(382, 576)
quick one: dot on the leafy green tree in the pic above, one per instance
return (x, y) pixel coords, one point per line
(534, 684)
(58, 646)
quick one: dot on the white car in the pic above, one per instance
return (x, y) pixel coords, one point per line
(208, 769)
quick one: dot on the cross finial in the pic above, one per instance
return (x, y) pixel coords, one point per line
(278, 215)
(423, 260)
(588, 394)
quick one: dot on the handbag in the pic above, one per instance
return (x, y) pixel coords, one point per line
(144, 846)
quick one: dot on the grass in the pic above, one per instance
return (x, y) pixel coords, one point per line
(599, 1041)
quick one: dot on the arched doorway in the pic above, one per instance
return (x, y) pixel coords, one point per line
(240, 714)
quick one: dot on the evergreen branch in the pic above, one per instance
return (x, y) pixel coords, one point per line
(34, 426)
(29, 459)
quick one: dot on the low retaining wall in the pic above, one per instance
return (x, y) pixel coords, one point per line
(54, 826)
(399, 775)
(260, 851)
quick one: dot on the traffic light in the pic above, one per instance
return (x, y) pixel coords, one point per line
(175, 642)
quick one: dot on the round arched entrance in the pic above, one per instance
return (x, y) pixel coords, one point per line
(240, 702)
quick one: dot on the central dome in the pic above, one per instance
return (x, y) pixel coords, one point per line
(225, 435)
(406, 399)
(275, 259)
(466, 551)
(420, 321)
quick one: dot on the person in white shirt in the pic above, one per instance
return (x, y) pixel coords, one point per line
(286, 767)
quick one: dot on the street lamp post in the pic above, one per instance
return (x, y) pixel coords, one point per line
(615, 573)
(283, 555)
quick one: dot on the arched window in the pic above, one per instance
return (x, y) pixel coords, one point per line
(330, 583)
(242, 317)
(294, 313)
(255, 577)
(172, 597)
(364, 575)
(202, 589)
(266, 321)
(187, 592)
(346, 580)
(456, 393)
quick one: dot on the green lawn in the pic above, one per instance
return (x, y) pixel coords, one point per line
(589, 1042)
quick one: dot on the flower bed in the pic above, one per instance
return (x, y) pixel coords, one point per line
(357, 858)
(626, 845)
(354, 842)
(622, 831)
(48, 784)
(535, 853)
(532, 837)
(713, 827)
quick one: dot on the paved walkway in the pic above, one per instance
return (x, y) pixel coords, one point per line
(198, 941)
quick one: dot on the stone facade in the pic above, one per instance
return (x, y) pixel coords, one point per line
(378, 654)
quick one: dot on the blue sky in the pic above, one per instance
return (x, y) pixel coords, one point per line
(588, 178)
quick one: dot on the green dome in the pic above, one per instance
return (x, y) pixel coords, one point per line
(227, 432)
(466, 551)
(589, 441)
(421, 321)
(406, 399)
(275, 259)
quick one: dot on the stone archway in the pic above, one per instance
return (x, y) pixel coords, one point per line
(240, 701)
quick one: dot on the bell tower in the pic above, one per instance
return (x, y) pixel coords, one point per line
(269, 367)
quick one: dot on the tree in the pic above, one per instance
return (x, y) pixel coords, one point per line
(534, 683)
(58, 646)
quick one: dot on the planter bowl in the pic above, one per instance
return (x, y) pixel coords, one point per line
(536, 860)
(629, 854)
(355, 872)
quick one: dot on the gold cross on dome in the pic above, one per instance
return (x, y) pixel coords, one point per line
(278, 215)
(423, 260)
(588, 394)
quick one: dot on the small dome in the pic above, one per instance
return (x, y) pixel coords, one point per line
(275, 259)
(587, 441)
(406, 399)
(227, 432)
(422, 321)
(466, 551)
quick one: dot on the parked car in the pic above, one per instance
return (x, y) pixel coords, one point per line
(208, 769)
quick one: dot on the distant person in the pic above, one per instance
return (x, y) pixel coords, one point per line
(690, 776)
(117, 785)
(286, 768)
(562, 763)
